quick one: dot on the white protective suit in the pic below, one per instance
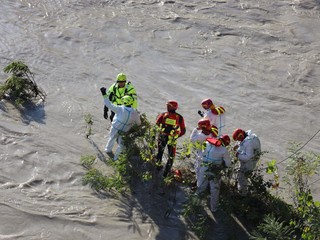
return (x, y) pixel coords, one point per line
(248, 154)
(217, 120)
(197, 137)
(125, 118)
(213, 155)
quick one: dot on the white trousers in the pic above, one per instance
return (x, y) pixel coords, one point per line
(245, 169)
(197, 165)
(113, 135)
(113, 138)
(202, 184)
(242, 182)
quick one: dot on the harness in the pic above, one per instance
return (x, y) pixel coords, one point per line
(208, 159)
(125, 122)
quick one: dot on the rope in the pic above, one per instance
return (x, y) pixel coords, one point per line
(299, 148)
(315, 181)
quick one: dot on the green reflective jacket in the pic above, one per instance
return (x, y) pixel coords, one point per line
(115, 93)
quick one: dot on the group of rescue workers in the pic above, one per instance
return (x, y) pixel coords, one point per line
(211, 144)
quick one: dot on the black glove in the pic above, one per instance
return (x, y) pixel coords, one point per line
(105, 112)
(103, 90)
(111, 116)
(200, 113)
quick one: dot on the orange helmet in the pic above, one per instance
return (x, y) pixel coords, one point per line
(206, 103)
(238, 134)
(172, 105)
(225, 139)
(204, 124)
(214, 131)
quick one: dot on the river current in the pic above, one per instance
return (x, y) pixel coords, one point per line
(259, 59)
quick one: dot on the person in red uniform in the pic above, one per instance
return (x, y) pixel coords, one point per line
(171, 125)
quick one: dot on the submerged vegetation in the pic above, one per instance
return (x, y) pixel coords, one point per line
(264, 214)
(20, 87)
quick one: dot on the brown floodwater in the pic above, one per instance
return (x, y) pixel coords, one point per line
(259, 59)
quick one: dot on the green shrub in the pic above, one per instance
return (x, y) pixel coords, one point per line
(20, 87)
(273, 228)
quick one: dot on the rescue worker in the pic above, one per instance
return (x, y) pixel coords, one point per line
(215, 158)
(172, 126)
(198, 138)
(248, 152)
(216, 115)
(125, 118)
(117, 90)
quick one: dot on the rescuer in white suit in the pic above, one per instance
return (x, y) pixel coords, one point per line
(125, 118)
(215, 158)
(248, 153)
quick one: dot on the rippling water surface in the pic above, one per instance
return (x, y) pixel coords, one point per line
(257, 58)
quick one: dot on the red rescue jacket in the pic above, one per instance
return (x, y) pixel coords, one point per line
(171, 123)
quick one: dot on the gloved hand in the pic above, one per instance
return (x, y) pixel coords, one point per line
(200, 113)
(105, 112)
(103, 91)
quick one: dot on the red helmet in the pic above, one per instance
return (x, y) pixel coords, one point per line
(204, 124)
(172, 105)
(206, 103)
(225, 139)
(238, 134)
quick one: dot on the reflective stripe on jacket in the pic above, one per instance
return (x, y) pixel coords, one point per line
(216, 155)
(115, 93)
(171, 123)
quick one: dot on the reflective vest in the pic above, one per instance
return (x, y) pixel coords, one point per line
(115, 94)
(171, 124)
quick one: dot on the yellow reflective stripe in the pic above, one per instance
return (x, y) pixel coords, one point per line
(170, 121)
(215, 131)
(220, 110)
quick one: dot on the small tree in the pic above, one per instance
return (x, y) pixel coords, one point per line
(20, 87)
(300, 168)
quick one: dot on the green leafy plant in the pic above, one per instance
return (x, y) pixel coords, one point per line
(308, 213)
(273, 228)
(20, 87)
(87, 161)
(300, 168)
(99, 182)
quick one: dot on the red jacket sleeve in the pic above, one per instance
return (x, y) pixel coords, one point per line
(182, 127)
(159, 119)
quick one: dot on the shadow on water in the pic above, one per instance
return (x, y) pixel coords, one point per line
(29, 112)
(159, 206)
(33, 113)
